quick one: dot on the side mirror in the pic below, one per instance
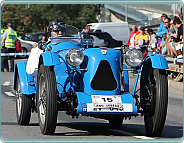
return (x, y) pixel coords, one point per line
(41, 45)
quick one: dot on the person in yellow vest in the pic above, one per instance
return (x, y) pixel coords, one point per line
(9, 38)
(2, 31)
(4, 60)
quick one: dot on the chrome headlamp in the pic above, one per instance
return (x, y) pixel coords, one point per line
(74, 57)
(133, 58)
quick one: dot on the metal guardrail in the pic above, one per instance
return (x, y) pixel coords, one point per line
(174, 60)
(175, 65)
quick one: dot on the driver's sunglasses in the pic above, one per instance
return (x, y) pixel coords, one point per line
(61, 23)
(166, 22)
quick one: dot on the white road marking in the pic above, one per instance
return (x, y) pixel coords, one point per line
(143, 137)
(9, 94)
(7, 83)
(130, 134)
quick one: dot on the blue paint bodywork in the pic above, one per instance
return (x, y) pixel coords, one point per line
(71, 79)
(113, 57)
(26, 80)
(50, 59)
(158, 61)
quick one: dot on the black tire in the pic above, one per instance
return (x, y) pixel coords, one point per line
(23, 105)
(116, 121)
(23, 50)
(155, 108)
(47, 100)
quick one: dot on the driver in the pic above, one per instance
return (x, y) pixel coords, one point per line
(57, 29)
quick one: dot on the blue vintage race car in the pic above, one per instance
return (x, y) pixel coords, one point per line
(91, 81)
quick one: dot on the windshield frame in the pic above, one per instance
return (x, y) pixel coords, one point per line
(73, 32)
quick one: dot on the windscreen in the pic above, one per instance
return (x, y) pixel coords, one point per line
(71, 31)
(71, 35)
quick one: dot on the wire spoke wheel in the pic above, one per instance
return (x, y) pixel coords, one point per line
(23, 105)
(42, 101)
(19, 99)
(156, 101)
(47, 100)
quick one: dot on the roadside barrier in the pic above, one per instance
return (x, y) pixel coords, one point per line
(175, 65)
(14, 54)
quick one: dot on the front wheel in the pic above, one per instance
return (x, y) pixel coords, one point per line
(23, 105)
(156, 102)
(47, 100)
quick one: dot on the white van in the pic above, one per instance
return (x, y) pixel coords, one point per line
(119, 31)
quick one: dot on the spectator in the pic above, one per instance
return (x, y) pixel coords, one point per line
(9, 38)
(131, 40)
(181, 18)
(172, 30)
(153, 39)
(141, 38)
(161, 31)
(164, 44)
(2, 31)
(4, 59)
(146, 29)
(177, 15)
(179, 48)
(178, 40)
(85, 33)
(138, 28)
(168, 49)
(46, 34)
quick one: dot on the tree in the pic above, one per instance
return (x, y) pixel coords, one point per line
(34, 17)
(15, 14)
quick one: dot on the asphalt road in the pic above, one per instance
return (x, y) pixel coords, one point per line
(86, 127)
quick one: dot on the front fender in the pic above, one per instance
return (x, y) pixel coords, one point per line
(50, 59)
(26, 80)
(157, 61)
(152, 61)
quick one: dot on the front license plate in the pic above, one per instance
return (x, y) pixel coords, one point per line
(108, 105)
(101, 99)
(125, 107)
